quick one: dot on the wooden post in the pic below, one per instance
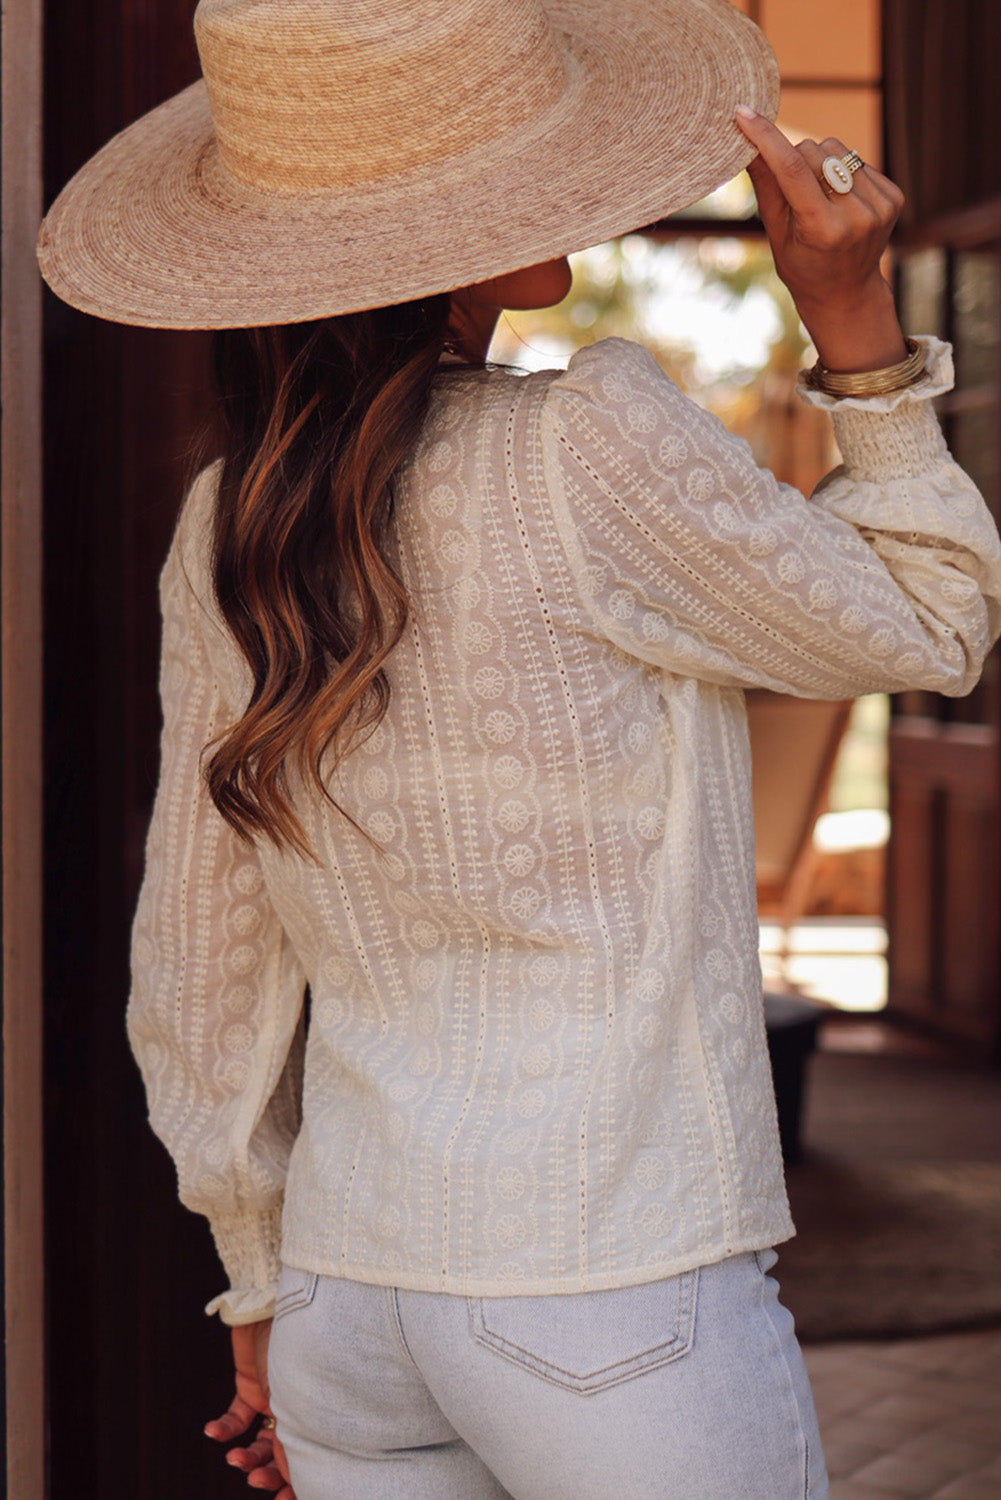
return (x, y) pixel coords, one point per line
(22, 751)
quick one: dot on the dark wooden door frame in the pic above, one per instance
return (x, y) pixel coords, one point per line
(24, 1391)
(944, 882)
(128, 1270)
(944, 870)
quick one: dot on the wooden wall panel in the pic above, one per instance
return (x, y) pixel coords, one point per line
(135, 1367)
(944, 889)
(909, 891)
(942, 62)
(22, 1411)
(942, 66)
(970, 915)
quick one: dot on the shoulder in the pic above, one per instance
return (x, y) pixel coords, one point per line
(193, 535)
(186, 582)
(602, 380)
(190, 555)
(615, 393)
(616, 381)
(611, 358)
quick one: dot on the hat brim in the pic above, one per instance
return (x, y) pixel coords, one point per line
(154, 231)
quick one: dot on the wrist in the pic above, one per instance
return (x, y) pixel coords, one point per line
(855, 333)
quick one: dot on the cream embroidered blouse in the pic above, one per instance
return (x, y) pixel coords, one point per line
(536, 1059)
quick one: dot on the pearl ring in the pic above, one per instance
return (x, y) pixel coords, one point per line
(840, 171)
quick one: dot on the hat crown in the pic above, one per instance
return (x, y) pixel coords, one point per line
(310, 95)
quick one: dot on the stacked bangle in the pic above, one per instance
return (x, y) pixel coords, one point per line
(870, 382)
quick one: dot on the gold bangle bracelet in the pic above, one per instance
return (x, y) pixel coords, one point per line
(870, 382)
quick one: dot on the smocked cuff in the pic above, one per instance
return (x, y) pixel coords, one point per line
(891, 437)
(249, 1247)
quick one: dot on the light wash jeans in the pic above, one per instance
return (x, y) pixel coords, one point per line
(690, 1388)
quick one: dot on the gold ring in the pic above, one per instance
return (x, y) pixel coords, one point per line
(268, 1424)
(853, 161)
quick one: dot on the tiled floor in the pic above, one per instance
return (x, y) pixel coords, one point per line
(918, 1419)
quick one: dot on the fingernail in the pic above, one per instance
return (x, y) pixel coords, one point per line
(746, 112)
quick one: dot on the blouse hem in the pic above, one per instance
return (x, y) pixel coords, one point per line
(475, 1286)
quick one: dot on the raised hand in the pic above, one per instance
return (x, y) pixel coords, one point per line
(828, 246)
(263, 1458)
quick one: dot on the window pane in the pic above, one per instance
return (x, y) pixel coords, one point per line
(922, 292)
(852, 115)
(976, 320)
(975, 443)
(824, 39)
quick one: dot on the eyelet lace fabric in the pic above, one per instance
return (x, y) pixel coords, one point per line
(536, 1057)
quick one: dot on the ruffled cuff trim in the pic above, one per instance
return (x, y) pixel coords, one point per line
(237, 1307)
(249, 1247)
(938, 378)
(892, 437)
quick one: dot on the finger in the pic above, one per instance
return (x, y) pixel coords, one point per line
(795, 178)
(887, 186)
(873, 186)
(266, 1478)
(254, 1456)
(881, 207)
(862, 192)
(772, 205)
(233, 1422)
(869, 186)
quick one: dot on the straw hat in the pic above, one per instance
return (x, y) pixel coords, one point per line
(341, 154)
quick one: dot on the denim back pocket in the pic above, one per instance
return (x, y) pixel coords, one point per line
(587, 1341)
(295, 1289)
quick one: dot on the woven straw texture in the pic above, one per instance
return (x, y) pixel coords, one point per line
(341, 154)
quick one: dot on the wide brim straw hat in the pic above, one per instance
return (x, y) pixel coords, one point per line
(343, 154)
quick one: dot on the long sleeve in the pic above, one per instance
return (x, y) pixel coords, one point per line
(694, 559)
(214, 1016)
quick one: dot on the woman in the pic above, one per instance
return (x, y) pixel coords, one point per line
(454, 734)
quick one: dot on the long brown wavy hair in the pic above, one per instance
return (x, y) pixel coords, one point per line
(317, 420)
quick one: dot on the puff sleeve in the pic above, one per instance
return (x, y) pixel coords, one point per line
(215, 1010)
(692, 558)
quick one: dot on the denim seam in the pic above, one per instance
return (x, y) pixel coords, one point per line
(774, 1339)
(650, 1358)
(586, 1384)
(397, 1320)
(806, 1467)
(299, 1297)
(498, 1341)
